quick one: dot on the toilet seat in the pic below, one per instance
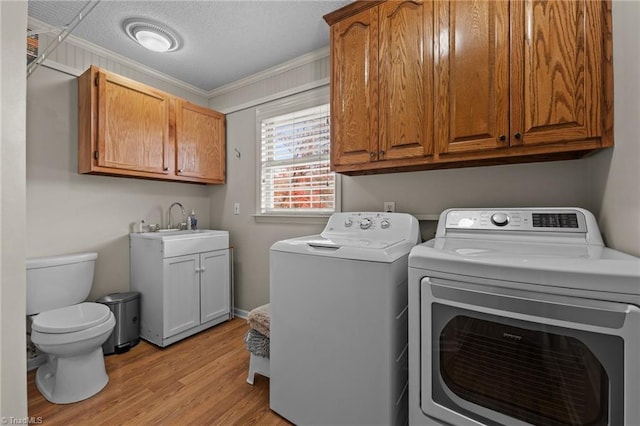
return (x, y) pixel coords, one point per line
(58, 339)
(71, 318)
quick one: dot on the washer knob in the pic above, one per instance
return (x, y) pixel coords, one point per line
(384, 224)
(499, 219)
(365, 223)
(348, 222)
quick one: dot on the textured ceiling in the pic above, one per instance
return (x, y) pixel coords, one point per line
(222, 41)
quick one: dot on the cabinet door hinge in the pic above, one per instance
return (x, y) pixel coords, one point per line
(96, 155)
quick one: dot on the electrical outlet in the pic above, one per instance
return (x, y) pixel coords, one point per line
(389, 206)
(236, 208)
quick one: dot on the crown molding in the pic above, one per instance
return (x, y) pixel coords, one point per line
(271, 97)
(36, 24)
(271, 72)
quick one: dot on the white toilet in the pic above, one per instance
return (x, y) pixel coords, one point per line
(70, 331)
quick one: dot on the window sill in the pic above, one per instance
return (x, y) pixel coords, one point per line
(291, 218)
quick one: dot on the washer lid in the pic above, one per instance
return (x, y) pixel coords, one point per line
(365, 250)
(368, 236)
(575, 266)
(71, 318)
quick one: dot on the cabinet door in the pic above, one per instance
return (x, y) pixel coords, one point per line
(181, 294)
(214, 285)
(406, 79)
(133, 125)
(354, 89)
(472, 75)
(200, 143)
(557, 70)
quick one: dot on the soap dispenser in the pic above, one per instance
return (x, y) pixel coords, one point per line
(192, 221)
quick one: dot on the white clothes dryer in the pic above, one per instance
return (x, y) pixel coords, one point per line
(339, 321)
(523, 316)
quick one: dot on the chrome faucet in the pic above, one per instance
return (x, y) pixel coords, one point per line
(184, 214)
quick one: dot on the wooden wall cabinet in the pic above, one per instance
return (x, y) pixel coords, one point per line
(126, 128)
(382, 83)
(501, 82)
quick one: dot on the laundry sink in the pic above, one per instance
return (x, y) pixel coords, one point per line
(178, 243)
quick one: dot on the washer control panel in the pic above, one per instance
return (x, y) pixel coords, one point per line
(372, 226)
(556, 220)
(364, 221)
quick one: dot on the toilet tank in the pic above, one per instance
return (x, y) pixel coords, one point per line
(58, 281)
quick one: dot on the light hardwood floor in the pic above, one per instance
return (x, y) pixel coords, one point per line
(198, 381)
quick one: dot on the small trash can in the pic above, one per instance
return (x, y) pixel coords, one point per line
(126, 310)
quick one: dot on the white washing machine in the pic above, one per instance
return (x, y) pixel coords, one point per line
(339, 321)
(523, 316)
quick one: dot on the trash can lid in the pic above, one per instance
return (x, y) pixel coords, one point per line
(113, 298)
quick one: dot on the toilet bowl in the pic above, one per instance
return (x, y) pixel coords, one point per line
(69, 331)
(72, 338)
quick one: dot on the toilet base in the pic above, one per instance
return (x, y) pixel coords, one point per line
(65, 380)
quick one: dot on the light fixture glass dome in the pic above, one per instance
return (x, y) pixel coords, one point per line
(151, 35)
(153, 40)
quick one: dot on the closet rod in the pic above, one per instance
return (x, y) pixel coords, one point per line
(67, 29)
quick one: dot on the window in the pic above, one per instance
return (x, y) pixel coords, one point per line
(295, 176)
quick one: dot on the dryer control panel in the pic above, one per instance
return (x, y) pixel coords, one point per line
(566, 222)
(517, 220)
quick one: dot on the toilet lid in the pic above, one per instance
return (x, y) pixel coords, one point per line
(71, 318)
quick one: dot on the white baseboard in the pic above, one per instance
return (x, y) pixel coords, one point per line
(240, 313)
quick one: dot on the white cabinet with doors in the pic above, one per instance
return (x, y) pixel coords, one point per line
(184, 281)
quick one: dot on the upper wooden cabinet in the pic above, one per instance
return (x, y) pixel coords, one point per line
(463, 83)
(472, 90)
(129, 129)
(354, 137)
(382, 81)
(199, 153)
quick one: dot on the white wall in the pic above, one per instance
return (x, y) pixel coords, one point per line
(13, 363)
(615, 174)
(560, 183)
(68, 212)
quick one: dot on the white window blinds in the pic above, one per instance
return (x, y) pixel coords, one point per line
(295, 176)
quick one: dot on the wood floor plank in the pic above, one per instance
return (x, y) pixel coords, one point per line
(199, 380)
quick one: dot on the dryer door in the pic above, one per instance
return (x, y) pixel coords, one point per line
(503, 356)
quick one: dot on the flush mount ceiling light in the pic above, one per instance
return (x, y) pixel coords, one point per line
(151, 35)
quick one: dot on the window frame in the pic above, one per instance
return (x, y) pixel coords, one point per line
(300, 101)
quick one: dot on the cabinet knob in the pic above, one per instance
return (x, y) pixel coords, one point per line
(381, 152)
(372, 154)
(165, 168)
(179, 170)
(503, 138)
(517, 136)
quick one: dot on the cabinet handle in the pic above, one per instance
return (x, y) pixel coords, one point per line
(381, 152)
(517, 135)
(372, 154)
(503, 138)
